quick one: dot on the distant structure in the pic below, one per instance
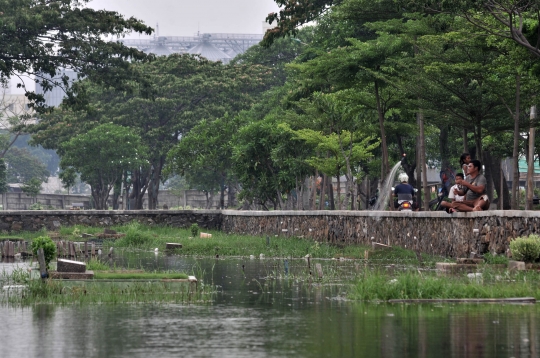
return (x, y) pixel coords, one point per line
(54, 97)
(213, 46)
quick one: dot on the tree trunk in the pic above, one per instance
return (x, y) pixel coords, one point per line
(489, 173)
(331, 193)
(338, 192)
(493, 165)
(515, 153)
(139, 180)
(322, 195)
(427, 196)
(313, 197)
(478, 139)
(530, 162)
(222, 195)
(418, 168)
(385, 167)
(443, 147)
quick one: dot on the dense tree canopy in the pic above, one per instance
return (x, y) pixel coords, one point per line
(338, 100)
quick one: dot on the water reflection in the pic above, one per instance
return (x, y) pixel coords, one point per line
(259, 317)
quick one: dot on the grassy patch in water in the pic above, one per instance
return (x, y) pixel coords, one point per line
(25, 292)
(138, 276)
(379, 286)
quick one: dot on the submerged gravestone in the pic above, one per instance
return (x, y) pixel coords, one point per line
(70, 266)
(172, 246)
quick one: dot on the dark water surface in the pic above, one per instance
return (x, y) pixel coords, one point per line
(254, 317)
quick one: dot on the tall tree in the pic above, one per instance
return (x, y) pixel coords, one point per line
(101, 156)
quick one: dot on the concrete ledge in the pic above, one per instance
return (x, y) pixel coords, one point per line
(362, 213)
(71, 275)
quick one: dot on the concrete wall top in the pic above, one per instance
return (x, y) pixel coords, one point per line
(365, 213)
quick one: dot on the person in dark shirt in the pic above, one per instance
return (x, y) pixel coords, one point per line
(404, 188)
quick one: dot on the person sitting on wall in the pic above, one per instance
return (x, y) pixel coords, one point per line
(474, 189)
(404, 188)
(455, 188)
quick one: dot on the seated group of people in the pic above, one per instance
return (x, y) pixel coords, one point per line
(469, 192)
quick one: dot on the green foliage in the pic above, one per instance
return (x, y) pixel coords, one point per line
(96, 265)
(68, 176)
(101, 155)
(526, 248)
(23, 166)
(48, 246)
(194, 229)
(37, 206)
(495, 259)
(136, 236)
(32, 187)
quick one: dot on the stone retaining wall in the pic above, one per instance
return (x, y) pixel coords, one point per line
(430, 232)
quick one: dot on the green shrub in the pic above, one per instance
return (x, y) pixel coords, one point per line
(495, 259)
(36, 206)
(194, 230)
(136, 236)
(49, 248)
(526, 248)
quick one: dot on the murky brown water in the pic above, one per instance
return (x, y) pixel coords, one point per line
(285, 318)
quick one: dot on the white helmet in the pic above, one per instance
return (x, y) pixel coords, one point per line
(403, 178)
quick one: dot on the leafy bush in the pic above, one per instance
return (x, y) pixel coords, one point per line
(194, 230)
(526, 248)
(49, 248)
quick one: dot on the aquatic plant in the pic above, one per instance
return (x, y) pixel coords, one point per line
(136, 236)
(194, 229)
(380, 286)
(493, 259)
(96, 265)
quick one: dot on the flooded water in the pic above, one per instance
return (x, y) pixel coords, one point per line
(253, 316)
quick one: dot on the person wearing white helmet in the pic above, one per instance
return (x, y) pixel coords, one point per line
(403, 188)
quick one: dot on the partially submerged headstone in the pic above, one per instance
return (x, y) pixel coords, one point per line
(172, 246)
(70, 266)
(516, 265)
(473, 261)
(205, 235)
(377, 246)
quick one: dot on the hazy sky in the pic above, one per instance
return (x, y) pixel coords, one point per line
(186, 17)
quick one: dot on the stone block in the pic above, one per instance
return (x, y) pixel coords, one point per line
(377, 246)
(448, 267)
(516, 265)
(70, 266)
(87, 275)
(469, 261)
(172, 246)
